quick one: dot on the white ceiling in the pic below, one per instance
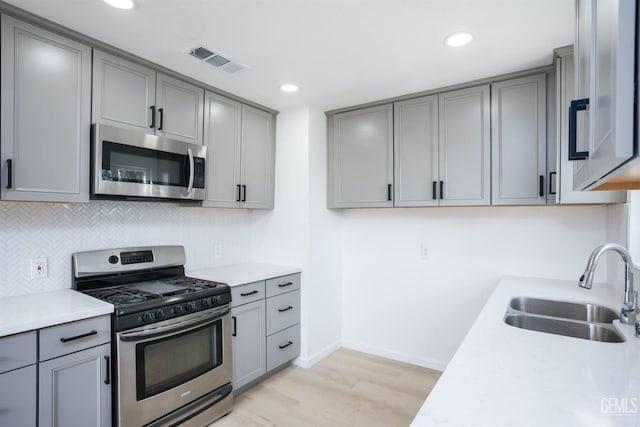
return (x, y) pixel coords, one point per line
(340, 52)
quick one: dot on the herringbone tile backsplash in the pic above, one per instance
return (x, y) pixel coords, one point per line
(56, 230)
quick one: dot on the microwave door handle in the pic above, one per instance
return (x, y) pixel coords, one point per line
(191, 171)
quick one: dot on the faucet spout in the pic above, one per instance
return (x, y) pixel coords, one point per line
(630, 305)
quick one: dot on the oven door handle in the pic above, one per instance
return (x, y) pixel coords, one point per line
(173, 329)
(191, 171)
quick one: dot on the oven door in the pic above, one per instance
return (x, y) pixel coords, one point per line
(127, 163)
(167, 365)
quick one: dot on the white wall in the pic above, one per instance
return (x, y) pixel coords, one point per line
(56, 230)
(400, 306)
(634, 225)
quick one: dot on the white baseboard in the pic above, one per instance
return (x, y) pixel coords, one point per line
(438, 365)
(312, 360)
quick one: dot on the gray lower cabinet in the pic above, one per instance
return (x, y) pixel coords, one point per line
(519, 141)
(465, 147)
(45, 114)
(241, 154)
(132, 96)
(361, 158)
(249, 361)
(18, 379)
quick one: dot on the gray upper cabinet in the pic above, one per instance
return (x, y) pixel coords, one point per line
(241, 154)
(519, 141)
(605, 39)
(464, 146)
(45, 103)
(416, 152)
(132, 96)
(180, 108)
(123, 92)
(361, 158)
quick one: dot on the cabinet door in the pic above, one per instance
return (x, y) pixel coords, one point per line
(45, 103)
(519, 141)
(18, 401)
(180, 113)
(464, 145)
(361, 158)
(222, 136)
(249, 340)
(123, 93)
(416, 152)
(612, 80)
(257, 159)
(75, 389)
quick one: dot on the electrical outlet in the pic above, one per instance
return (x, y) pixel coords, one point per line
(424, 252)
(39, 268)
(217, 251)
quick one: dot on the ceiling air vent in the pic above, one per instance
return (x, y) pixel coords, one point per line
(215, 59)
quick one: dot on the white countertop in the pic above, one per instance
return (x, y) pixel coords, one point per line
(34, 311)
(239, 274)
(506, 376)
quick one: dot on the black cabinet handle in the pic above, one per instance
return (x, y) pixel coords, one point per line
(285, 345)
(107, 380)
(9, 173)
(249, 293)
(541, 186)
(574, 107)
(282, 310)
(77, 337)
(551, 188)
(441, 190)
(284, 285)
(238, 193)
(161, 111)
(153, 116)
(244, 193)
(235, 326)
(434, 196)
(389, 192)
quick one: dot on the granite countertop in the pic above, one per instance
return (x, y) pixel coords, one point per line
(34, 311)
(240, 274)
(507, 376)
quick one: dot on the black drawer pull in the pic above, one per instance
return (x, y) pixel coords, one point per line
(541, 186)
(161, 111)
(282, 285)
(238, 194)
(441, 189)
(433, 190)
(248, 293)
(285, 345)
(282, 310)
(389, 192)
(153, 116)
(9, 173)
(235, 326)
(552, 190)
(77, 337)
(107, 380)
(574, 107)
(244, 193)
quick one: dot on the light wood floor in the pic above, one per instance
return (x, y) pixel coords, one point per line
(347, 388)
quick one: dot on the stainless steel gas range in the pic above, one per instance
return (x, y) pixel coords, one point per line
(171, 335)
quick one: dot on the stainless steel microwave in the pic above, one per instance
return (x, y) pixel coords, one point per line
(128, 164)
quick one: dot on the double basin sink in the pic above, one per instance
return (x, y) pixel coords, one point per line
(579, 320)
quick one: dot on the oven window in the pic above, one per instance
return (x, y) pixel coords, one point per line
(128, 163)
(168, 362)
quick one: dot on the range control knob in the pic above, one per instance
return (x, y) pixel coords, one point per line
(206, 302)
(178, 309)
(191, 306)
(159, 314)
(147, 317)
(113, 259)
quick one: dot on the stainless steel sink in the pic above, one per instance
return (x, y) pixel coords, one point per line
(584, 330)
(567, 310)
(579, 320)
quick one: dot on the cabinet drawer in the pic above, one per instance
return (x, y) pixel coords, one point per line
(283, 311)
(247, 293)
(18, 402)
(283, 284)
(283, 347)
(17, 351)
(75, 336)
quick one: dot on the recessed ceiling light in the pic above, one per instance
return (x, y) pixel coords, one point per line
(289, 88)
(120, 4)
(458, 39)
